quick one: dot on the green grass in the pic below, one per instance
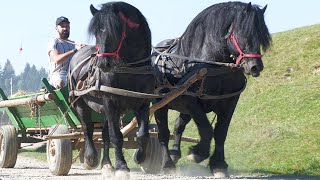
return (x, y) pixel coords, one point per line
(275, 129)
(37, 153)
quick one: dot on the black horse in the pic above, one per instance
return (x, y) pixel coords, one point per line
(121, 61)
(226, 39)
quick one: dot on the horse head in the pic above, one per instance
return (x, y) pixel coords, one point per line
(247, 35)
(121, 35)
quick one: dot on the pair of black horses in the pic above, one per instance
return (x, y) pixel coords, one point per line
(225, 38)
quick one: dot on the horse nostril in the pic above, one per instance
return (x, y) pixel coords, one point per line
(254, 69)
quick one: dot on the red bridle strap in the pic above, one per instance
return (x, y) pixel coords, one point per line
(130, 24)
(116, 53)
(241, 54)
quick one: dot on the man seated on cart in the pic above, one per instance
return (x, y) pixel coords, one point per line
(60, 51)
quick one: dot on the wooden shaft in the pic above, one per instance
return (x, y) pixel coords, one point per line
(125, 130)
(16, 102)
(74, 135)
(177, 92)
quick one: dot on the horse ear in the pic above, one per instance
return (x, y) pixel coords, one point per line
(264, 9)
(248, 8)
(93, 10)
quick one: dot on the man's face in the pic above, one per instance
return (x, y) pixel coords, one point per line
(64, 30)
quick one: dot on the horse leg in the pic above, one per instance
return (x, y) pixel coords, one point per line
(179, 127)
(161, 117)
(142, 134)
(90, 155)
(116, 138)
(201, 151)
(106, 165)
(217, 163)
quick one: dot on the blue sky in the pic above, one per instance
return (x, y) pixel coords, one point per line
(32, 23)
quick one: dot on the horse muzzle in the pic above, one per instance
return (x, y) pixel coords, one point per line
(253, 66)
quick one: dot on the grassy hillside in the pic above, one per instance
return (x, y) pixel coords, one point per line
(276, 127)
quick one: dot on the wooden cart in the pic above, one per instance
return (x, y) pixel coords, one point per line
(47, 116)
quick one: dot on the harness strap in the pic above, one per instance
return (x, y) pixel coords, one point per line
(117, 91)
(197, 60)
(211, 97)
(140, 61)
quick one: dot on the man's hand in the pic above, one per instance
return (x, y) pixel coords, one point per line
(79, 46)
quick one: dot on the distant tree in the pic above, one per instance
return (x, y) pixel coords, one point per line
(29, 80)
(1, 77)
(34, 79)
(8, 73)
(43, 73)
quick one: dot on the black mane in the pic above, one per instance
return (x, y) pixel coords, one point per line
(208, 30)
(107, 27)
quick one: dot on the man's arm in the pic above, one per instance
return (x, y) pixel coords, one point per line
(59, 58)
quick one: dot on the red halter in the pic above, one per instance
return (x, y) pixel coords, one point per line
(130, 24)
(241, 54)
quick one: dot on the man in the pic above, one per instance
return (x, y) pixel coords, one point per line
(60, 51)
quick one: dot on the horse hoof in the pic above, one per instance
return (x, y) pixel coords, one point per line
(195, 158)
(107, 171)
(122, 175)
(175, 155)
(169, 168)
(139, 156)
(220, 173)
(170, 171)
(89, 165)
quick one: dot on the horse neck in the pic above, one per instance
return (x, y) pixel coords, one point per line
(203, 47)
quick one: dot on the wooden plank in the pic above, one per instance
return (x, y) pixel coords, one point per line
(23, 101)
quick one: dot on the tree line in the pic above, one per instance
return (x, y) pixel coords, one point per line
(28, 81)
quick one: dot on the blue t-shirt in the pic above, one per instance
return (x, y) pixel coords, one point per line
(62, 47)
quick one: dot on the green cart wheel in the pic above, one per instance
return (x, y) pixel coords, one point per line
(8, 146)
(59, 152)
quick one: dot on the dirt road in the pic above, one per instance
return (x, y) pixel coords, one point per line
(31, 168)
(28, 168)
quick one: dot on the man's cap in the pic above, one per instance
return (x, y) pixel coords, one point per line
(62, 19)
